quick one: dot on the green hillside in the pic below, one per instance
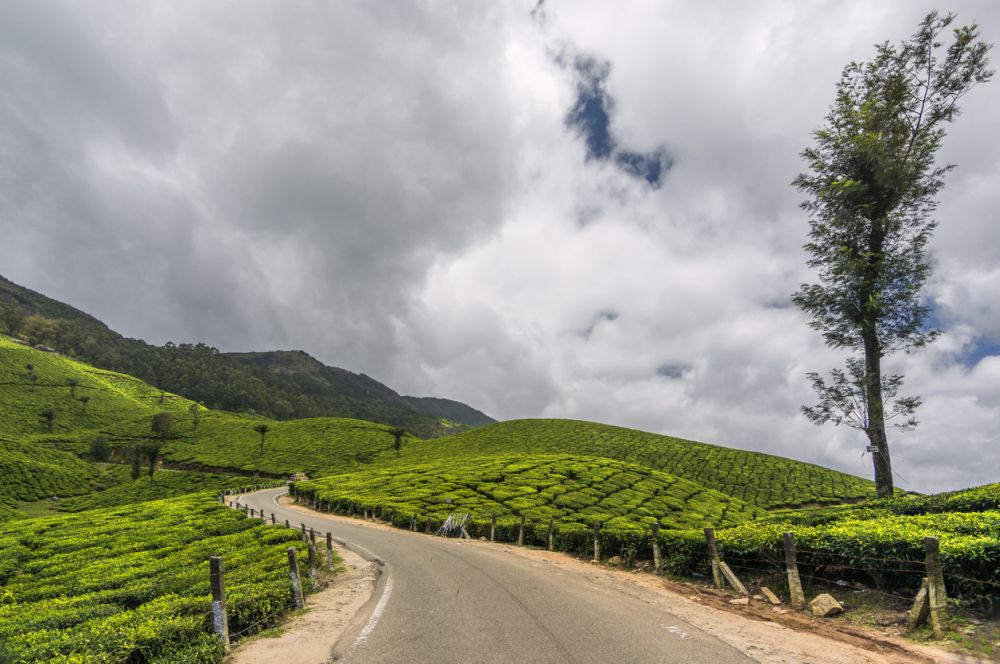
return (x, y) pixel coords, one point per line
(279, 384)
(31, 472)
(132, 584)
(88, 403)
(315, 446)
(78, 395)
(571, 489)
(759, 479)
(165, 484)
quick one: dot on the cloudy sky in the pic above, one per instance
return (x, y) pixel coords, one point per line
(581, 210)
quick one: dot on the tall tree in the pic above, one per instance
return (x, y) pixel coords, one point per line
(162, 423)
(195, 411)
(872, 182)
(397, 434)
(262, 429)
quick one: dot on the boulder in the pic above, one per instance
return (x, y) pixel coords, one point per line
(824, 606)
(615, 560)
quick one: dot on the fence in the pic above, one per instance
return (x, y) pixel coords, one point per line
(220, 612)
(901, 571)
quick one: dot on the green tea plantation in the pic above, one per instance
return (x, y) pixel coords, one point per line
(759, 479)
(570, 489)
(131, 584)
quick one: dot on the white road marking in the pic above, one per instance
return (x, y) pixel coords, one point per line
(369, 627)
(376, 614)
(675, 630)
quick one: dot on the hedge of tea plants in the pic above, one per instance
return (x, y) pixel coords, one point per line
(31, 472)
(760, 479)
(165, 484)
(872, 545)
(131, 584)
(573, 490)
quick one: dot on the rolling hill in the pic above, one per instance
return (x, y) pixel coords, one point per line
(760, 479)
(279, 384)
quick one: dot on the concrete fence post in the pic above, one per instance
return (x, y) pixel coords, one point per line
(792, 567)
(713, 554)
(220, 618)
(312, 561)
(937, 595)
(552, 533)
(657, 558)
(597, 541)
(293, 572)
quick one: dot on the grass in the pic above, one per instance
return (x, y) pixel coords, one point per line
(131, 583)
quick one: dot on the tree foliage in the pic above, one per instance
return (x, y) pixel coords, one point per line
(262, 429)
(872, 182)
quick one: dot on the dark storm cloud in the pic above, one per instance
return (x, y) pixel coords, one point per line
(227, 172)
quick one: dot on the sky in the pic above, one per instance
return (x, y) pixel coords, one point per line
(574, 209)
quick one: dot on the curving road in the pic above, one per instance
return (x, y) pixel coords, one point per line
(445, 600)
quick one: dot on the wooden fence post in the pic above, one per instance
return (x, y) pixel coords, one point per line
(520, 532)
(597, 541)
(305, 538)
(253, 512)
(329, 550)
(936, 594)
(287, 525)
(273, 519)
(792, 567)
(657, 558)
(220, 619)
(293, 572)
(427, 528)
(552, 533)
(493, 527)
(713, 553)
(312, 535)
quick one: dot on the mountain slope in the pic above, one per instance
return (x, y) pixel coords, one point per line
(280, 384)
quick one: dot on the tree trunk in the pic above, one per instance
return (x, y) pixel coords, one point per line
(876, 416)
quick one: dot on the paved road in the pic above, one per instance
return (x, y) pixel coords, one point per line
(443, 601)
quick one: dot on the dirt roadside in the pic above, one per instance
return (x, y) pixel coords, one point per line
(312, 634)
(767, 635)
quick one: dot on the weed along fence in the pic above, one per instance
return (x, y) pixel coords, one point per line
(790, 558)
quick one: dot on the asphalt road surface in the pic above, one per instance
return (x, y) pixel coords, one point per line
(443, 600)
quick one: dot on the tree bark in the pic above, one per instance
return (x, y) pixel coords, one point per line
(873, 360)
(876, 421)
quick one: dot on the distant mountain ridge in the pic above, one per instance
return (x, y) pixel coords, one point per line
(280, 384)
